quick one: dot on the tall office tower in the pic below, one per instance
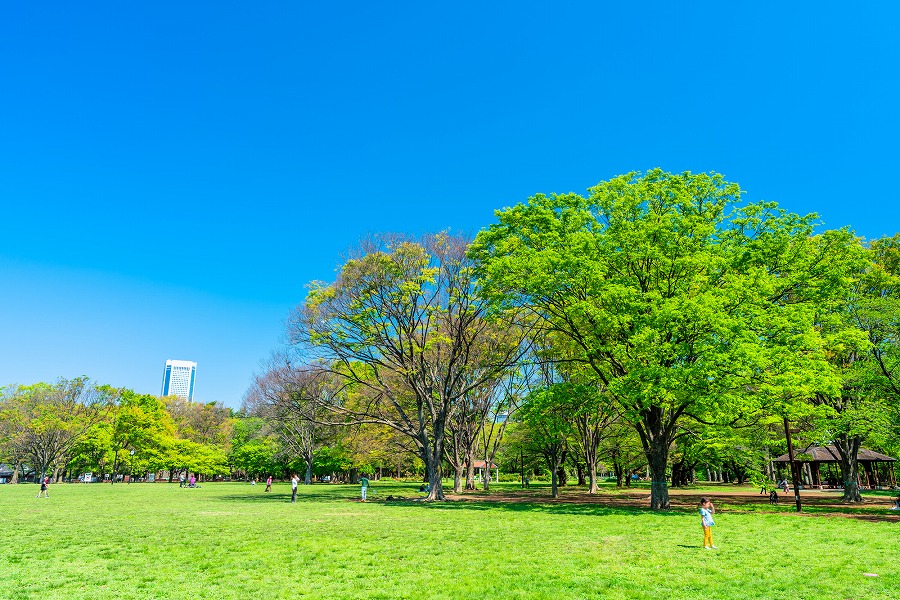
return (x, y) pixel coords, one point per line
(178, 379)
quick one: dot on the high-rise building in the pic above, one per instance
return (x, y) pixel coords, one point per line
(178, 379)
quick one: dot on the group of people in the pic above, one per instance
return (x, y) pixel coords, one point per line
(295, 481)
(183, 481)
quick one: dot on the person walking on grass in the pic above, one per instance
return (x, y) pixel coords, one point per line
(706, 519)
(364, 482)
(294, 481)
(45, 488)
(269, 484)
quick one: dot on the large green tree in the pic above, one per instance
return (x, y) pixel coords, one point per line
(546, 420)
(401, 325)
(681, 300)
(142, 428)
(53, 418)
(863, 329)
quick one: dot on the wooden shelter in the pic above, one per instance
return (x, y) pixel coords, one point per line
(481, 466)
(876, 470)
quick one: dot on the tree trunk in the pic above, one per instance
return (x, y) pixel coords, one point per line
(620, 472)
(434, 452)
(590, 463)
(676, 473)
(458, 464)
(15, 475)
(470, 462)
(655, 428)
(561, 475)
(115, 468)
(659, 490)
(554, 456)
(308, 459)
(470, 475)
(848, 449)
(579, 471)
(682, 473)
(554, 487)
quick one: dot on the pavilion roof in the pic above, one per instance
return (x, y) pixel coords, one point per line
(827, 454)
(479, 464)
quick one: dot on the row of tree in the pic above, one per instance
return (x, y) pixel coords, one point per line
(660, 305)
(71, 427)
(659, 323)
(75, 426)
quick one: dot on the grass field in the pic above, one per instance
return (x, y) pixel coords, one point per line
(232, 540)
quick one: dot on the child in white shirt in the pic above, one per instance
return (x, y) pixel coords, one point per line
(706, 519)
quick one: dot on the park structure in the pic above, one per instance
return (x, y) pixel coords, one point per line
(877, 469)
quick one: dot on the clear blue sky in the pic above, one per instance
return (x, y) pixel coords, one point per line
(172, 175)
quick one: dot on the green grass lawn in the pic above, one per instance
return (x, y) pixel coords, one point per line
(232, 540)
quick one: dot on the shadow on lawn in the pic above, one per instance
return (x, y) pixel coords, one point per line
(571, 502)
(577, 502)
(409, 498)
(542, 505)
(305, 497)
(318, 492)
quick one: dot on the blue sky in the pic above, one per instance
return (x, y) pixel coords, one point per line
(172, 175)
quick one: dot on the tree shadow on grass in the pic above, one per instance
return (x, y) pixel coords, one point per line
(534, 507)
(280, 497)
(571, 502)
(319, 493)
(636, 505)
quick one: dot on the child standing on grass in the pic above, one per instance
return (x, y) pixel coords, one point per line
(706, 518)
(364, 482)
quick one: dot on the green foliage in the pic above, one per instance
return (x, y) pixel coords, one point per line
(331, 459)
(48, 421)
(256, 456)
(404, 333)
(682, 301)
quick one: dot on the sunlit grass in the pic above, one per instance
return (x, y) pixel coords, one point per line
(232, 540)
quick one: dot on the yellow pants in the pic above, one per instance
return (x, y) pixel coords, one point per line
(707, 537)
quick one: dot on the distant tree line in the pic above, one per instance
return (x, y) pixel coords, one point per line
(70, 427)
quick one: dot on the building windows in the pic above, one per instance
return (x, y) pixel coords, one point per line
(178, 379)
